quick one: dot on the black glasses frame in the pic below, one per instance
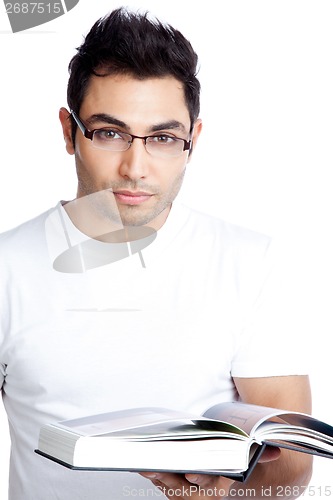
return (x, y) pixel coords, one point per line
(89, 134)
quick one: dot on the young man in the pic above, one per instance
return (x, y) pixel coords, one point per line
(184, 322)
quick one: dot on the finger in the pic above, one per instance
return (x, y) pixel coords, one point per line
(269, 454)
(204, 480)
(163, 476)
(210, 482)
(194, 486)
(173, 486)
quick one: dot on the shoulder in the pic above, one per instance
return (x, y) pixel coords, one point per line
(218, 232)
(25, 235)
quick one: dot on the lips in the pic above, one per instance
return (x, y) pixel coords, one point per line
(132, 197)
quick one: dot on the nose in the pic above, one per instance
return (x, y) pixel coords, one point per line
(134, 163)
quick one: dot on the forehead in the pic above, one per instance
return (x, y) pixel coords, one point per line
(138, 103)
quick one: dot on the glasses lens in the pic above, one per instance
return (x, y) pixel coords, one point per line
(164, 146)
(111, 140)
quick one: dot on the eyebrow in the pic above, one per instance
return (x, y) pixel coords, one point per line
(112, 120)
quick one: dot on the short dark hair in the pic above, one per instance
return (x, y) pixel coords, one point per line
(125, 42)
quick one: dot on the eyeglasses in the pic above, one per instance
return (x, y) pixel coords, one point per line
(162, 145)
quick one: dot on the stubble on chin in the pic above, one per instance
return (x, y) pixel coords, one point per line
(136, 216)
(132, 215)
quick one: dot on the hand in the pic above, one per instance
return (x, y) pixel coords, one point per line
(194, 486)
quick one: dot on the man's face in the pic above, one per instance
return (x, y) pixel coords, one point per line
(143, 185)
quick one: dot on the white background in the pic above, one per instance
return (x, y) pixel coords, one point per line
(264, 158)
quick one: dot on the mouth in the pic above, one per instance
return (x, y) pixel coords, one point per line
(132, 197)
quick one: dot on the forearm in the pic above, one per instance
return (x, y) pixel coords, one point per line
(285, 478)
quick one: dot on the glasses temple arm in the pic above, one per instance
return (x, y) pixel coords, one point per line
(81, 126)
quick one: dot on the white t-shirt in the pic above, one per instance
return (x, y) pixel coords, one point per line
(167, 327)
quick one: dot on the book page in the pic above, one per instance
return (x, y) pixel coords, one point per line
(157, 423)
(307, 423)
(123, 420)
(171, 431)
(260, 421)
(246, 416)
(297, 427)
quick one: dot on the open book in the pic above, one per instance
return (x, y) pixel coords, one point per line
(227, 440)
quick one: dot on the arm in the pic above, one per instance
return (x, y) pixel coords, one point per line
(284, 475)
(290, 474)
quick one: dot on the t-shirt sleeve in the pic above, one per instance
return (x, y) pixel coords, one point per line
(2, 374)
(4, 319)
(271, 341)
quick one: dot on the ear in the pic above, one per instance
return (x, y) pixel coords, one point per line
(66, 123)
(195, 136)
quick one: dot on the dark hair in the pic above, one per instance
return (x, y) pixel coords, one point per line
(125, 42)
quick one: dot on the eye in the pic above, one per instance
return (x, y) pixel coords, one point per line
(107, 134)
(162, 139)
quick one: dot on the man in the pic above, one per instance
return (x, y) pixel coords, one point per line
(184, 322)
